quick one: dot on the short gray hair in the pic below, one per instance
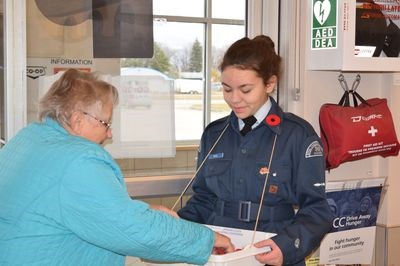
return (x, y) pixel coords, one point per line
(75, 90)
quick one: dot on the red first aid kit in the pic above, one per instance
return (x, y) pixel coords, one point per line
(352, 133)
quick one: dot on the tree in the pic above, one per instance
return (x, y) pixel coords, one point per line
(134, 62)
(159, 61)
(196, 57)
(182, 59)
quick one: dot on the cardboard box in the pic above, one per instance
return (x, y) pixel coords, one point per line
(241, 239)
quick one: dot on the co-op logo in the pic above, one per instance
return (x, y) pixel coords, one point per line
(35, 71)
(359, 118)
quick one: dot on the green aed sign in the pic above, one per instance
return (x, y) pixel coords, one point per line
(324, 24)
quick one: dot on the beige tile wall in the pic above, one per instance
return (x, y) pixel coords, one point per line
(167, 201)
(184, 161)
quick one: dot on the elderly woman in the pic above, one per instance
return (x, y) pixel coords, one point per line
(63, 200)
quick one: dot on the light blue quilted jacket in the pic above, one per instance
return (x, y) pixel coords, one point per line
(63, 201)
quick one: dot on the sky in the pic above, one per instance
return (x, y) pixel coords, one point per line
(188, 32)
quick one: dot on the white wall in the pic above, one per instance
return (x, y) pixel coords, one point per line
(392, 203)
(318, 87)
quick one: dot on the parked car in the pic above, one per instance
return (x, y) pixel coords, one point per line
(138, 85)
(189, 86)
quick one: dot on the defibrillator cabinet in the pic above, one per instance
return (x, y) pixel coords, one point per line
(354, 35)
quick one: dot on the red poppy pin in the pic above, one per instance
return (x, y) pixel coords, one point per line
(264, 170)
(273, 120)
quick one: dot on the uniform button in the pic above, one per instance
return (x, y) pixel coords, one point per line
(244, 151)
(297, 243)
(241, 180)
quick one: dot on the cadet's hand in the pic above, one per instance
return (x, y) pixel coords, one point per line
(274, 257)
(164, 209)
(223, 242)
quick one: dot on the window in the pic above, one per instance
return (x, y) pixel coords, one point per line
(192, 36)
(189, 39)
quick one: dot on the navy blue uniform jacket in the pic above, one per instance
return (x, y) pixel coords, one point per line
(229, 186)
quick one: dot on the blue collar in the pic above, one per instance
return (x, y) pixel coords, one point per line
(54, 124)
(259, 115)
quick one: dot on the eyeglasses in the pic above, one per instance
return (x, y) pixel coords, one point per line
(104, 123)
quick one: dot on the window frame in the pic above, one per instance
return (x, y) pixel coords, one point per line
(208, 21)
(261, 16)
(15, 85)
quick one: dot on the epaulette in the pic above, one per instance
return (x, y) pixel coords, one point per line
(218, 124)
(290, 117)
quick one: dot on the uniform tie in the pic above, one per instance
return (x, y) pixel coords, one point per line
(248, 123)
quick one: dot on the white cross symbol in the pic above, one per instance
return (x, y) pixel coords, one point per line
(372, 131)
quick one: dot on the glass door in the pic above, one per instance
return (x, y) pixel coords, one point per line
(12, 68)
(2, 98)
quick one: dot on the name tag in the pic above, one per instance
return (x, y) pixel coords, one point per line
(216, 156)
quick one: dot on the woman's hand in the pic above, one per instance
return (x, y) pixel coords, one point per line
(274, 257)
(222, 242)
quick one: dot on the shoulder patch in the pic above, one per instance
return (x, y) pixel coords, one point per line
(314, 150)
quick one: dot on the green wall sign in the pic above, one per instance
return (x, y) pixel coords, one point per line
(324, 24)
